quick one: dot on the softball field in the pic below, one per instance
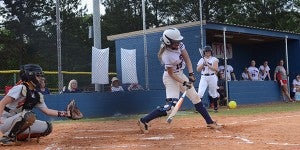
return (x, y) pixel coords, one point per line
(273, 130)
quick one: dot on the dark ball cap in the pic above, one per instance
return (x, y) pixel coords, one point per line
(207, 48)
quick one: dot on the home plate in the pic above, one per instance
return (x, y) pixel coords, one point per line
(159, 137)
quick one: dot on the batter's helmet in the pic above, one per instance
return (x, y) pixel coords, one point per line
(29, 72)
(171, 35)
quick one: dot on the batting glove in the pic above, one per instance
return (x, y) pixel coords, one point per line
(187, 84)
(192, 77)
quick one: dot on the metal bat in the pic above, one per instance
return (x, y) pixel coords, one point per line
(176, 108)
(201, 52)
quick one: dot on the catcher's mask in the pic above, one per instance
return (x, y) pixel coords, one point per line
(29, 72)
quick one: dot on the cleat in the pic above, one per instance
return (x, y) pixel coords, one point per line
(214, 125)
(216, 111)
(143, 126)
(6, 141)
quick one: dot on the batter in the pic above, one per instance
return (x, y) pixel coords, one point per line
(175, 58)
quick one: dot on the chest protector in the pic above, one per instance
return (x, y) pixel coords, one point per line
(32, 98)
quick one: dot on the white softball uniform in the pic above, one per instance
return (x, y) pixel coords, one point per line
(264, 71)
(245, 76)
(229, 70)
(117, 89)
(253, 73)
(173, 58)
(208, 78)
(297, 83)
(18, 93)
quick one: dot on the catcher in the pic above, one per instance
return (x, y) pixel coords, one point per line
(18, 122)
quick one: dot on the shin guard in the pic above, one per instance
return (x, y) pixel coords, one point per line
(24, 137)
(21, 124)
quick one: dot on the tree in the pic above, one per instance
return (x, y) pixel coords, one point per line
(32, 25)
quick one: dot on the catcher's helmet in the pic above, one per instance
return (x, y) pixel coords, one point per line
(29, 72)
(171, 35)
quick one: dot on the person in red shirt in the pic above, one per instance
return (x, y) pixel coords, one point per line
(280, 76)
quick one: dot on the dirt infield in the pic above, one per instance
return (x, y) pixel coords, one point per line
(275, 131)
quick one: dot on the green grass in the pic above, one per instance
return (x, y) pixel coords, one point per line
(260, 109)
(223, 111)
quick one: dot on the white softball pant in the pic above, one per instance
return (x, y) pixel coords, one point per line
(37, 127)
(211, 82)
(173, 88)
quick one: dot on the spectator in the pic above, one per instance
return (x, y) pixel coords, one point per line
(229, 72)
(253, 72)
(296, 86)
(135, 87)
(72, 87)
(280, 77)
(43, 89)
(245, 74)
(264, 71)
(115, 85)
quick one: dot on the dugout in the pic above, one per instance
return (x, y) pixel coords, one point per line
(243, 44)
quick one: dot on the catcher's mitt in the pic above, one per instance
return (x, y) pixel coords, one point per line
(75, 113)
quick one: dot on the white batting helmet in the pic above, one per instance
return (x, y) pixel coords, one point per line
(170, 35)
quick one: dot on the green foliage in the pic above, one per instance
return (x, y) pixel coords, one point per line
(28, 34)
(260, 109)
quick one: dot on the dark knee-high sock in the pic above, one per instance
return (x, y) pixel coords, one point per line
(215, 103)
(202, 110)
(154, 114)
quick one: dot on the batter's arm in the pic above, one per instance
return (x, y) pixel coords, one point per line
(187, 60)
(174, 76)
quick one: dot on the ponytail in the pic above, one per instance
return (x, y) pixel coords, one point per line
(161, 51)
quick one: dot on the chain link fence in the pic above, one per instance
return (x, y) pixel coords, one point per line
(8, 78)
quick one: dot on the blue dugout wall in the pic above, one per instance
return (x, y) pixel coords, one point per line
(107, 104)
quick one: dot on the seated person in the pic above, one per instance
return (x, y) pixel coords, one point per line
(43, 89)
(296, 86)
(115, 85)
(264, 71)
(253, 72)
(229, 72)
(72, 87)
(135, 87)
(245, 74)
